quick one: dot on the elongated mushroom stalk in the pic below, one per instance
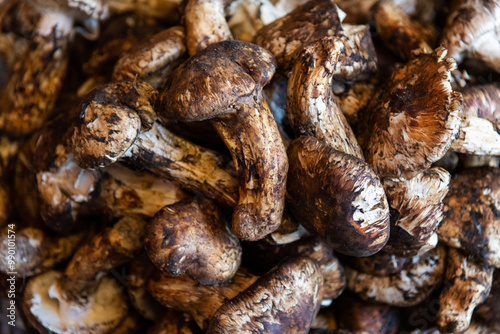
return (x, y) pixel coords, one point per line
(37, 251)
(205, 24)
(417, 210)
(399, 32)
(80, 298)
(154, 59)
(472, 30)
(407, 287)
(337, 197)
(469, 285)
(191, 237)
(112, 126)
(480, 128)
(472, 223)
(284, 300)
(37, 77)
(224, 83)
(414, 119)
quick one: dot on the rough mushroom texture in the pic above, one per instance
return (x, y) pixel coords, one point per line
(337, 197)
(224, 83)
(416, 210)
(286, 36)
(472, 214)
(468, 283)
(285, 300)
(311, 106)
(414, 119)
(173, 322)
(488, 310)
(408, 287)
(380, 264)
(191, 237)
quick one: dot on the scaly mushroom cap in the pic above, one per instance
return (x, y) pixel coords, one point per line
(110, 119)
(285, 300)
(190, 237)
(408, 287)
(468, 284)
(337, 197)
(208, 84)
(286, 36)
(472, 214)
(48, 312)
(415, 118)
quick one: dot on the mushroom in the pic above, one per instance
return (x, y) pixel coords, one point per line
(487, 311)
(75, 300)
(284, 300)
(472, 30)
(416, 211)
(471, 220)
(5, 205)
(407, 287)
(224, 83)
(337, 197)
(379, 264)
(112, 126)
(175, 322)
(468, 284)
(414, 118)
(37, 77)
(174, 236)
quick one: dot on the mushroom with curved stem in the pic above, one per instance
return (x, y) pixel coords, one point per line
(469, 285)
(224, 83)
(480, 126)
(58, 302)
(472, 30)
(408, 287)
(414, 119)
(416, 211)
(109, 129)
(337, 197)
(37, 77)
(471, 220)
(191, 237)
(154, 59)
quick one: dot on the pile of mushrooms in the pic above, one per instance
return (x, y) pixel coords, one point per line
(251, 166)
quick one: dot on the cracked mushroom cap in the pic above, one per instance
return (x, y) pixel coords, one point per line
(49, 312)
(285, 300)
(415, 118)
(337, 197)
(110, 119)
(471, 214)
(407, 287)
(191, 237)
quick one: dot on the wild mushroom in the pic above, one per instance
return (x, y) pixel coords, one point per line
(286, 299)
(471, 219)
(37, 78)
(224, 83)
(405, 288)
(414, 119)
(75, 300)
(337, 197)
(379, 264)
(112, 126)
(487, 311)
(469, 285)
(191, 237)
(175, 322)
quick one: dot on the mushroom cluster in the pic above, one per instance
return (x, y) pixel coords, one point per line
(250, 166)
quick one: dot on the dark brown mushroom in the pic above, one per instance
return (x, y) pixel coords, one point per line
(379, 264)
(173, 322)
(487, 311)
(224, 83)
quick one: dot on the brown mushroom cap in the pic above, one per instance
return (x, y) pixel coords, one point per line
(285, 300)
(337, 197)
(414, 119)
(190, 237)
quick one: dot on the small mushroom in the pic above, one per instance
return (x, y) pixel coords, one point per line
(469, 284)
(414, 119)
(191, 237)
(408, 287)
(224, 83)
(471, 214)
(337, 197)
